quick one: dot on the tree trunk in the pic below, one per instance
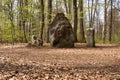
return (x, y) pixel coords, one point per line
(20, 20)
(49, 17)
(10, 6)
(82, 34)
(110, 27)
(69, 6)
(105, 23)
(0, 34)
(75, 19)
(42, 18)
(24, 31)
(24, 20)
(66, 7)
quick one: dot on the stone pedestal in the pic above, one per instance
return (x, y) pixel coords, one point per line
(90, 37)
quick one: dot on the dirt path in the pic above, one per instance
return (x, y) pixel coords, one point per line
(46, 63)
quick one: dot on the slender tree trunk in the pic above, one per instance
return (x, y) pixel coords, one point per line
(92, 13)
(82, 34)
(20, 22)
(75, 19)
(24, 20)
(49, 16)
(42, 18)
(69, 6)
(110, 27)
(10, 6)
(1, 4)
(66, 7)
(24, 31)
(0, 34)
(105, 23)
(20, 12)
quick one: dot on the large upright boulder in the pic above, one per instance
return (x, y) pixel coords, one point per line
(60, 32)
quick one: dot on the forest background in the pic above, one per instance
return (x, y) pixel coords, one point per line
(20, 19)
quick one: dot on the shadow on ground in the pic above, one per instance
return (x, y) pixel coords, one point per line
(28, 69)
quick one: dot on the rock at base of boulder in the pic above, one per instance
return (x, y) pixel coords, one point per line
(35, 42)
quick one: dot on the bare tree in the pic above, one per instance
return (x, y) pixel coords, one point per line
(49, 17)
(25, 11)
(105, 22)
(42, 18)
(110, 26)
(22, 18)
(11, 18)
(69, 6)
(66, 7)
(82, 34)
(75, 19)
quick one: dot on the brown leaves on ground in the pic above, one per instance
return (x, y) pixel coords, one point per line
(47, 63)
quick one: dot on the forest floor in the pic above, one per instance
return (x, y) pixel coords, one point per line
(46, 63)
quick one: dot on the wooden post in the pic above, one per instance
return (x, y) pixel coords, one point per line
(90, 37)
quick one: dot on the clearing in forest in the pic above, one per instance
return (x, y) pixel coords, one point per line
(46, 63)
